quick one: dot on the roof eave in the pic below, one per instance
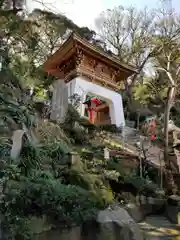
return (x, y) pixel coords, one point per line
(73, 39)
(114, 59)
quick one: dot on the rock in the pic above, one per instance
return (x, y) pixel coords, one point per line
(110, 225)
(160, 193)
(117, 224)
(171, 213)
(17, 143)
(66, 234)
(174, 199)
(150, 200)
(139, 212)
(135, 212)
(173, 208)
(143, 199)
(74, 157)
(39, 225)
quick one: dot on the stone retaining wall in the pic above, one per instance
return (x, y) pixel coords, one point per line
(173, 208)
(69, 234)
(144, 206)
(111, 224)
(143, 200)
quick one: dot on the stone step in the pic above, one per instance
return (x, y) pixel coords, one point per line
(157, 227)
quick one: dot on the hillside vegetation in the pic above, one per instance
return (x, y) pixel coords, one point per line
(47, 179)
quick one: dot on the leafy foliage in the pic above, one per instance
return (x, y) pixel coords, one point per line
(40, 195)
(46, 183)
(144, 186)
(47, 180)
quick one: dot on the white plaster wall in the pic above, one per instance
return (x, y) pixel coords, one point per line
(81, 86)
(71, 87)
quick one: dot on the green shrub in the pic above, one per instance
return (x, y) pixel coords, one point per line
(49, 131)
(143, 186)
(5, 148)
(64, 205)
(109, 128)
(87, 154)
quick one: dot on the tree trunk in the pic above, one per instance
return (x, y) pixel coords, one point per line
(172, 188)
(166, 121)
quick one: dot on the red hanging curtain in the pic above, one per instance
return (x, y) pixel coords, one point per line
(96, 101)
(90, 115)
(89, 107)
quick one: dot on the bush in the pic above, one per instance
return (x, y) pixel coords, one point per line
(48, 131)
(109, 128)
(65, 205)
(143, 186)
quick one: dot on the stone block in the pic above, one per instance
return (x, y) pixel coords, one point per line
(67, 234)
(135, 212)
(118, 224)
(173, 208)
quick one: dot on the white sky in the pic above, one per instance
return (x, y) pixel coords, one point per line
(84, 12)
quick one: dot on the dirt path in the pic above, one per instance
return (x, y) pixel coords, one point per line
(159, 228)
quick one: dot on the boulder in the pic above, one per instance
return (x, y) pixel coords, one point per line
(173, 208)
(17, 143)
(66, 234)
(139, 212)
(110, 225)
(136, 212)
(117, 224)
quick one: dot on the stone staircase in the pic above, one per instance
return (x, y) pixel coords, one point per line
(153, 227)
(131, 139)
(157, 227)
(152, 219)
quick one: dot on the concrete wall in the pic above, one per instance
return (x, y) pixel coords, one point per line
(82, 87)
